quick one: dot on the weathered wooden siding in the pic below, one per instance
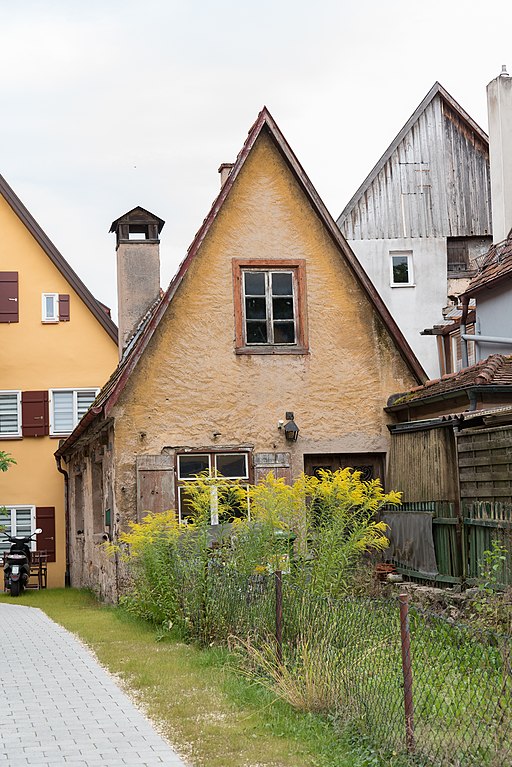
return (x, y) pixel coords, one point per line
(434, 184)
(422, 464)
(485, 465)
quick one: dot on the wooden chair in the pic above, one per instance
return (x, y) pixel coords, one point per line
(39, 569)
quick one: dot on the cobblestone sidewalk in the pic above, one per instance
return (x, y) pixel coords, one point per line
(59, 707)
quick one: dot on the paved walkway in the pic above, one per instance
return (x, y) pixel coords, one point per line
(59, 707)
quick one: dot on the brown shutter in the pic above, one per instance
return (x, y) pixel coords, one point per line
(64, 307)
(9, 297)
(277, 463)
(34, 414)
(45, 519)
(155, 484)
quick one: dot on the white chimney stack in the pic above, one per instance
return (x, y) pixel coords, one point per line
(499, 106)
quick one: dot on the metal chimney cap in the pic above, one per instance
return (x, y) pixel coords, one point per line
(504, 72)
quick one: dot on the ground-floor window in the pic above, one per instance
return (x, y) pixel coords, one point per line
(228, 468)
(17, 520)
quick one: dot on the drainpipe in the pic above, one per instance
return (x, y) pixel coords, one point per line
(463, 334)
(67, 576)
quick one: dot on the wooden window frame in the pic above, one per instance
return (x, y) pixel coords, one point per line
(180, 482)
(298, 268)
(76, 420)
(18, 433)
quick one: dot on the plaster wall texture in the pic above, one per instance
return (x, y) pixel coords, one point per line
(499, 106)
(138, 284)
(419, 305)
(494, 319)
(190, 382)
(37, 356)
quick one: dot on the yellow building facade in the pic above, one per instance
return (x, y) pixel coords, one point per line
(58, 346)
(270, 350)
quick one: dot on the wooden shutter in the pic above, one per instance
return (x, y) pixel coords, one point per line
(34, 414)
(9, 297)
(63, 308)
(155, 484)
(45, 519)
(277, 463)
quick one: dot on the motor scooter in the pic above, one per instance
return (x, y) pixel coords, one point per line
(17, 562)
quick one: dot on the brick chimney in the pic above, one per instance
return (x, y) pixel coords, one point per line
(499, 106)
(138, 268)
(225, 170)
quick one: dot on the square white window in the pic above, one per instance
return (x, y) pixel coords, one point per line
(17, 520)
(50, 307)
(68, 406)
(10, 414)
(401, 269)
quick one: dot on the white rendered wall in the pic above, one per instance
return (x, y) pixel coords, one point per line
(499, 105)
(415, 307)
(494, 318)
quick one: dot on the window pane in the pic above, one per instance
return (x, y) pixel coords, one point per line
(231, 464)
(49, 303)
(255, 308)
(284, 333)
(8, 413)
(256, 332)
(282, 308)
(186, 511)
(282, 284)
(63, 412)
(23, 522)
(400, 269)
(84, 400)
(5, 522)
(231, 505)
(190, 465)
(254, 283)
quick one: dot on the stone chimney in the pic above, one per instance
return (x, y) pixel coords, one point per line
(138, 268)
(499, 106)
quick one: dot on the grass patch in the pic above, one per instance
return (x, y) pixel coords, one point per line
(213, 716)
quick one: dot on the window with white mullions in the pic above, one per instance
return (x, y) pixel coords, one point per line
(50, 307)
(229, 468)
(17, 520)
(10, 414)
(269, 307)
(68, 406)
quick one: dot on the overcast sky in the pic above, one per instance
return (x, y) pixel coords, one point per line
(109, 104)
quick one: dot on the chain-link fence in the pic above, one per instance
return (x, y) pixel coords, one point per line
(408, 679)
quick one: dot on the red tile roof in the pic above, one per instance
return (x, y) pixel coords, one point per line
(495, 265)
(496, 370)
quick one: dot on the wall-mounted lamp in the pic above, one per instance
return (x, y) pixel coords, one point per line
(291, 430)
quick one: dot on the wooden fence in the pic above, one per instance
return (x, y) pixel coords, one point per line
(460, 540)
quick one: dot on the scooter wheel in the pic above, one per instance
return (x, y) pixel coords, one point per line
(15, 588)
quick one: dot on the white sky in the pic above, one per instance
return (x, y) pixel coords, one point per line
(109, 104)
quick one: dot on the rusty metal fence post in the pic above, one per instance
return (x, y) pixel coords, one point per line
(279, 616)
(407, 672)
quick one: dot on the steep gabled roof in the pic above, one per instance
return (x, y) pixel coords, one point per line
(494, 266)
(135, 348)
(98, 309)
(436, 89)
